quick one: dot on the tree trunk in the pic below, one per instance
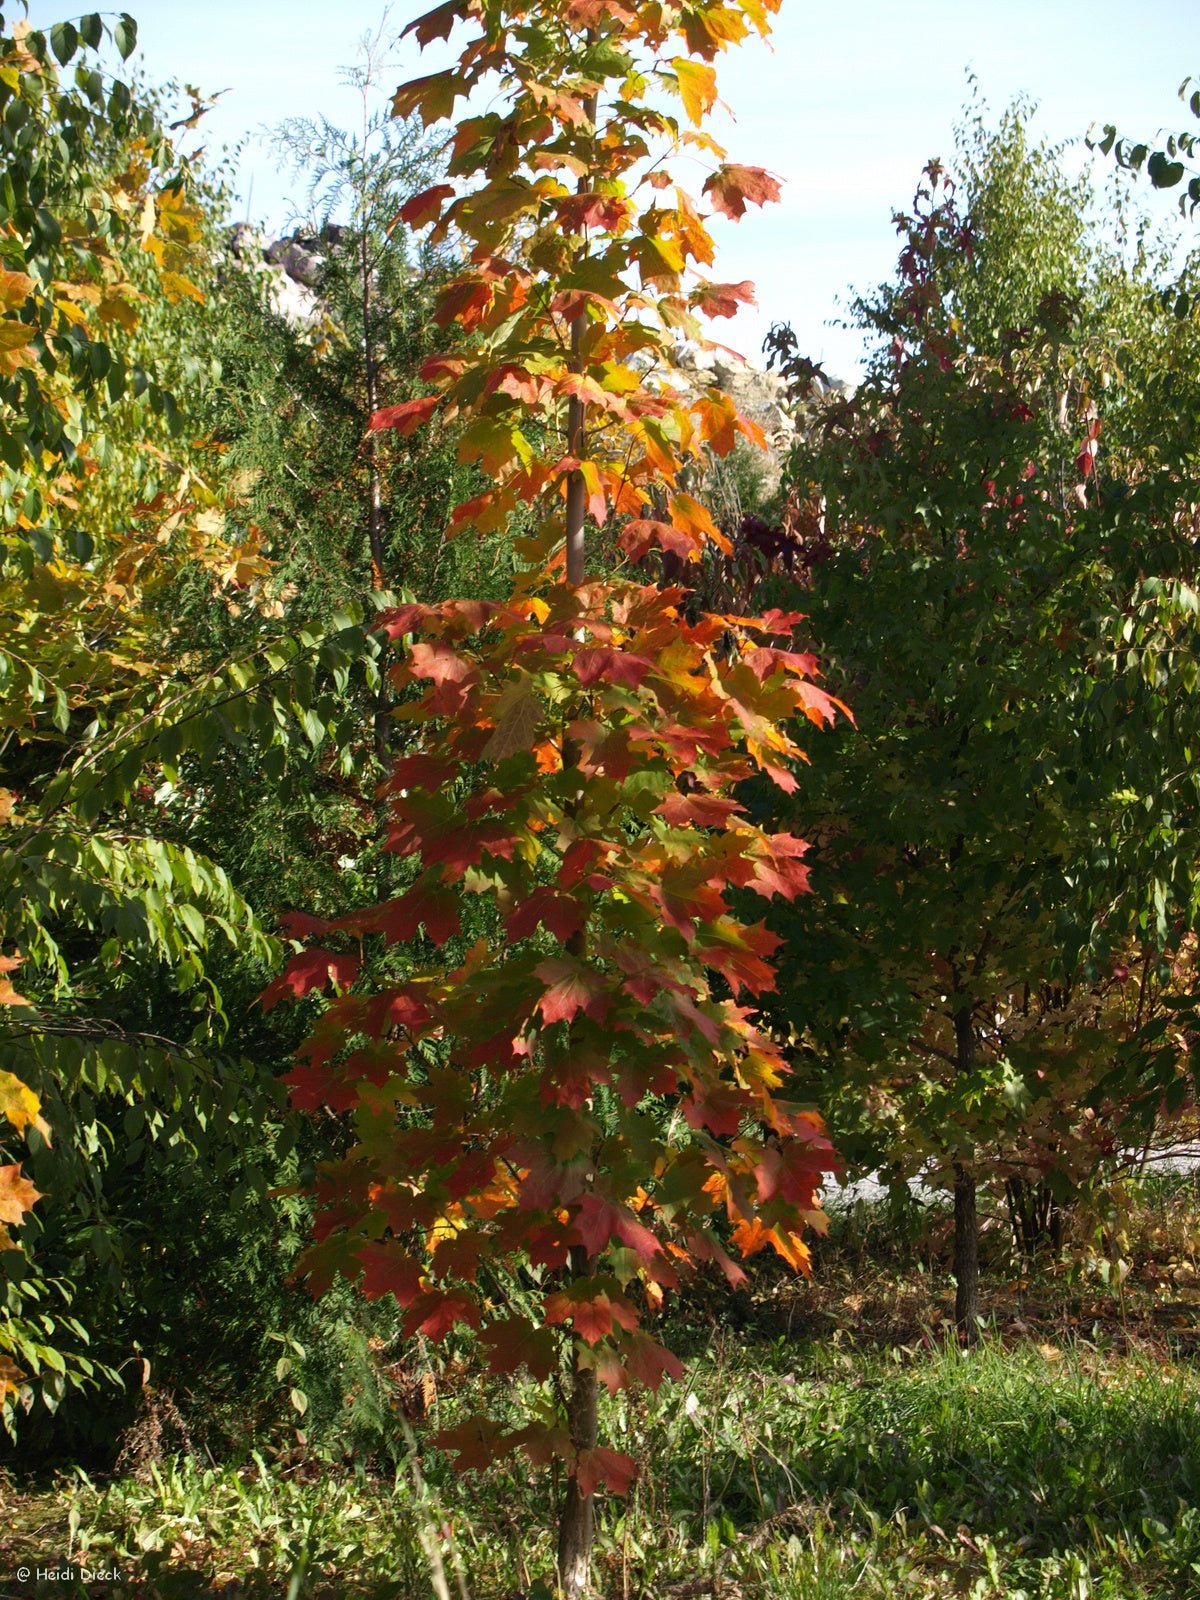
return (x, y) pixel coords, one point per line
(966, 1216)
(577, 419)
(576, 490)
(966, 1253)
(374, 477)
(577, 1517)
(1035, 1215)
(371, 373)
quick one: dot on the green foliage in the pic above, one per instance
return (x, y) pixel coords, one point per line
(128, 936)
(1006, 830)
(1167, 166)
(784, 1469)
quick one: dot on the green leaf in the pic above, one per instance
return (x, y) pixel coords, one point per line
(64, 41)
(1163, 173)
(125, 36)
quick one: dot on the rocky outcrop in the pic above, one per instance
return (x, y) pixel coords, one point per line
(290, 268)
(759, 395)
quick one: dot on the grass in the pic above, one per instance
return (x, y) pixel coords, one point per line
(780, 1469)
(829, 1442)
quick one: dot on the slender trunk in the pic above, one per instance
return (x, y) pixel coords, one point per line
(966, 1253)
(966, 1216)
(577, 1516)
(1035, 1215)
(371, 372)
(576, 419)
(1016, 1214)
(374, 476)
(576, 490)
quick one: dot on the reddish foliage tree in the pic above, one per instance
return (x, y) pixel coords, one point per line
(577, 1087)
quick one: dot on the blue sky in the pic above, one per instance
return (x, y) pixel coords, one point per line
(846, 106)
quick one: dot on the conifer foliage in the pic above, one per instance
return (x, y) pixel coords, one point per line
(573, 1081)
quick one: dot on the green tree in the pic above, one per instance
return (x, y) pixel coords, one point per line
(971, 583)
(118, 929)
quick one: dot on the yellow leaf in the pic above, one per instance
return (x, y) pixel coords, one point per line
(14, 334)
(117, 308)
(8, 995)
(20, 1105)
(697, 87)
(15, 289)
(10, 1373)
(72, 313)
(17, 1194)
(176, 288)
(517, 715)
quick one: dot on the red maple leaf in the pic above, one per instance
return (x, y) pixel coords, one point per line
(649, 1362)
(517, 1343)
(433, 904)
(405, 418)
(719, 1107)
(439, 663)
(515, 381)
(613, 666)
(640, 535)
(464, 301)
(435, 1312)
(604, 212)
(311, 1087)
(401, 620)
(308, 970)
(608, 1467)
(701, 810)
(591, 1315)
(558, 912)
(476, 1443)
(389, 1269)
(598, 1221)
(300, 925)
(731, 186)
(427, 206)
(570, 988)
(722, 299)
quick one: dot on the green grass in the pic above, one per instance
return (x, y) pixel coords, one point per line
(784, 1470)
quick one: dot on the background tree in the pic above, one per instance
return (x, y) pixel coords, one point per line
(969, 588)
(130, 937)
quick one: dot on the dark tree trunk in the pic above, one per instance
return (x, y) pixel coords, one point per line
(577, 420)
(577, 1517)
(966, 1253)
(1034, 1214)
(966, 1216)
(374, 480)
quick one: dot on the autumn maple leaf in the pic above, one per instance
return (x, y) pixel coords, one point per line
(731, 186)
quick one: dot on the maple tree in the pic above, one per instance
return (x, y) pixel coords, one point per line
(576, 1086)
